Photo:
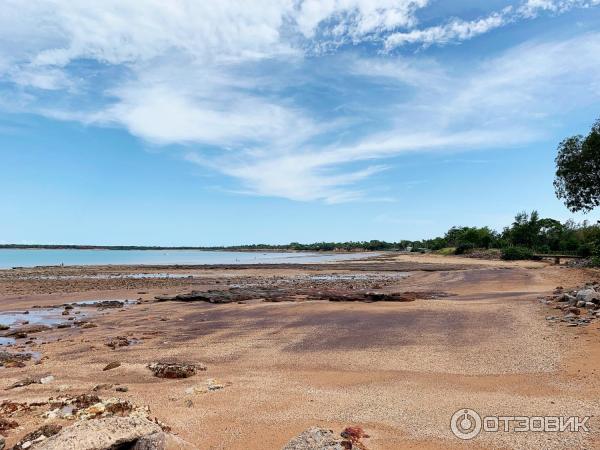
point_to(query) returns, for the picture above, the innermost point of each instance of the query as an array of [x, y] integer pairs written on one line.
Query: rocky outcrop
[[135, 433], [293, 293], [26, 329], [316, 439], [322, 439], [37, 436], [13, 359], [174, 369]]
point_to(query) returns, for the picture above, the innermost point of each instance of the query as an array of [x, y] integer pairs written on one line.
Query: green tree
[[577, 180]]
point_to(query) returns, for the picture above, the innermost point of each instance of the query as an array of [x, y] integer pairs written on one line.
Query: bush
[[585, 250], [517, 253], [544, 249], [463, 248], [447, 251]]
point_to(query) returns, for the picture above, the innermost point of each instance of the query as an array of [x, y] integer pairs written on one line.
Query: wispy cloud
[[255, 92], [457, 30]]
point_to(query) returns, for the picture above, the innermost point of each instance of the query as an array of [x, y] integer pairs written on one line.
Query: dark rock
[[175, 370], [27, 329], [112, 365], [41, 433], [118, 341], [7, 424]]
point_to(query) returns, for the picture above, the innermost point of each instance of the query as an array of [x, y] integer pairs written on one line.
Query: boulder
[[135, 433], [37, 436], [316, 439], [174, 370], [112, 365], [588, 295], [2, 443], [581, 303]]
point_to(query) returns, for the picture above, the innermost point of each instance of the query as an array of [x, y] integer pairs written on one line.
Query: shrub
[[595, 261], [517, 253], [585, 250], [463, 248]]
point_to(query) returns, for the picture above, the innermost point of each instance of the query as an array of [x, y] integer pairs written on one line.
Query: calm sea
[[30, 258]]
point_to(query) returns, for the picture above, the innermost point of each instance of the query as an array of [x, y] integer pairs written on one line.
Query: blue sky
[[229, 122]]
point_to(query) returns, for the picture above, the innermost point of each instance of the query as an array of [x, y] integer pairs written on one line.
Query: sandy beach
[[294, 346]]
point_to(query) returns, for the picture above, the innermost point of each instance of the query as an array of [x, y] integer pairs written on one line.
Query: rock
[[175, 370], [574, 310], [122, 389], [37, 436], [46, 380], [89, 325], [4, 327], [210, 385], [588, 295], [112, 365], [581, 303], [590, 305], [135, 433], [354, 434], [7, 424], [2, 443], [119, 341], [316, 439], [31, 380], [102, 387], [13, 359], [27, 329]]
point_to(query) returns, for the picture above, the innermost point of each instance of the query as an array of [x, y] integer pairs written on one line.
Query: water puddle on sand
[[36, 316], [5, 342]]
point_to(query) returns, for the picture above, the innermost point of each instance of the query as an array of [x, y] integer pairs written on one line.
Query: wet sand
[[398, 369]]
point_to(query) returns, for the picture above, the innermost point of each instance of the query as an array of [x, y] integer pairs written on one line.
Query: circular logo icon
[[465, 424]]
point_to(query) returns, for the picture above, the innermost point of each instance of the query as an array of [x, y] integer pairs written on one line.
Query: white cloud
[[238, 84], [457, 30]]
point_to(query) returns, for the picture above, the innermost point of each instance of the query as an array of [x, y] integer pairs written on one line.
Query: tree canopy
[[577, 180]]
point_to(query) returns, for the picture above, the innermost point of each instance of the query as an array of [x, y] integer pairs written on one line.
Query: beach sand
[[397, 369]]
